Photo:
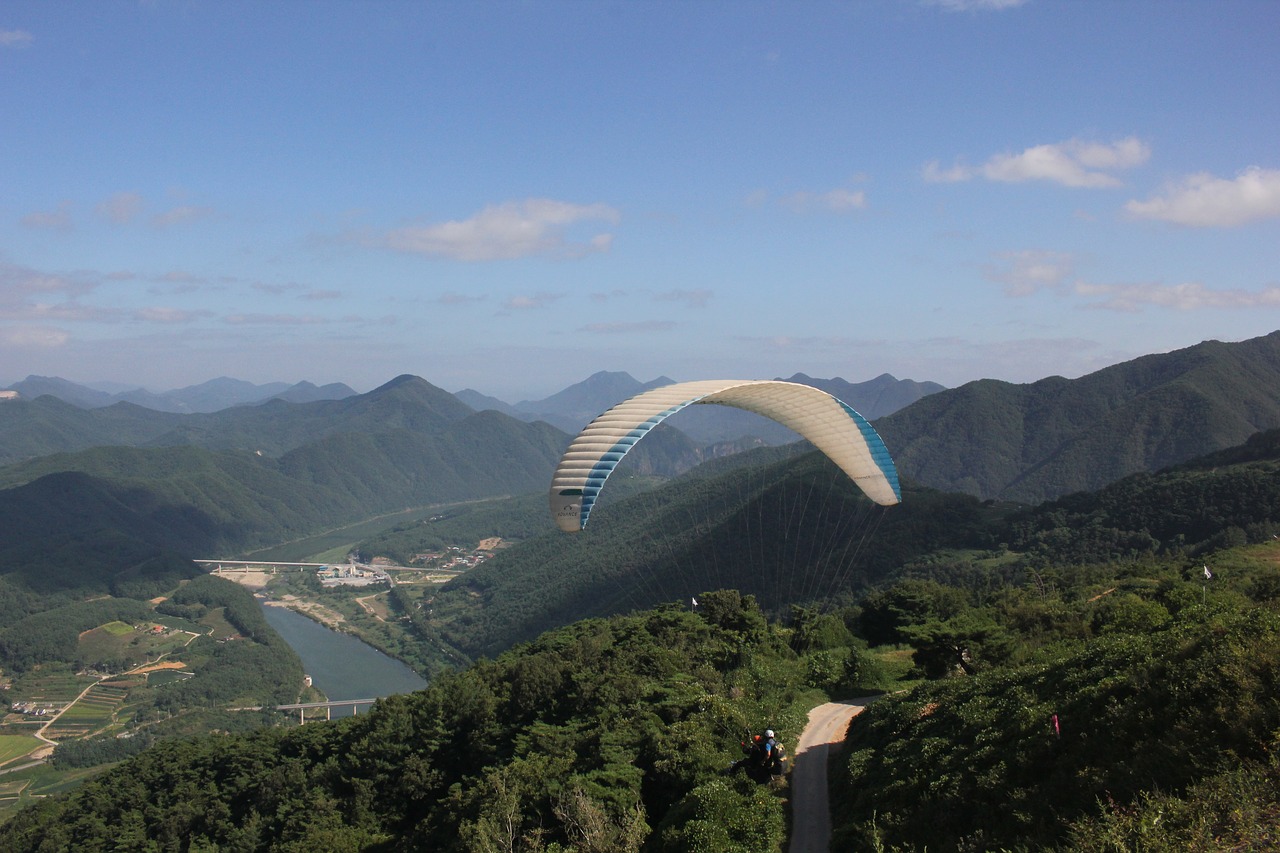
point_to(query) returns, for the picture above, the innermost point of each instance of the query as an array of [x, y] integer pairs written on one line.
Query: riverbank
[[340, 664]]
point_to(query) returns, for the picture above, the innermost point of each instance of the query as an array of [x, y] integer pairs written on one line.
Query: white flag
[[695, 601], [1207, 574]]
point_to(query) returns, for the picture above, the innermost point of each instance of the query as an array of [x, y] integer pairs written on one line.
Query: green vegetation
[[1038, 441], [741, 529], [600, 736], [1064, 676], [15, 746], [1069, 744], [101, 720]]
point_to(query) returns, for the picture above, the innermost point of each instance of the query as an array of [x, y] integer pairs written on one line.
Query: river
[[339, 664]]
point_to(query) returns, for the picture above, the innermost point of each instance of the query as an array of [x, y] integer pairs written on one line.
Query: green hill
[[788, 531], [617, 734], [614, 733], [31, 428], [1038, 441], [47, 425], [599, 736], [199, 503], [792, 531], [1028, 757]]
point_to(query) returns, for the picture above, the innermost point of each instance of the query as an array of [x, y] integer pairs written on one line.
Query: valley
[[118, 621]]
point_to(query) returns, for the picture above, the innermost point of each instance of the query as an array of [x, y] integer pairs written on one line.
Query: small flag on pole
[[694, 600], [1207, 574]]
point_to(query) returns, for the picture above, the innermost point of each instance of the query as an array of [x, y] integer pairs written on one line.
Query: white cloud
[[181, 215], [169, 315], [1030, 270], [322, 295], [514, 229], [458, 299], [531, 303], [839, 200], [933, 173], [273, 320], [21, 287], [32, 337], [15, 38], [638, 326], [119, 208], [605, 296], [50, 220], [975, 5], [1203, 201], [1073, 163], [689, 298], [1189, 296]]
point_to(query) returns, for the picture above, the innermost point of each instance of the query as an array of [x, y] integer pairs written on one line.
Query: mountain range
[[248, 475], [575, 406], [208, 396], [569, 410], [1037, 441]]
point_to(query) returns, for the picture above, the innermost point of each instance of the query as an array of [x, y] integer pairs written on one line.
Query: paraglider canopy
[[829, 424]]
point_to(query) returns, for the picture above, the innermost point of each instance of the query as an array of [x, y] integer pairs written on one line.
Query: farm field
[[20, 788], [94, 711], [117, 645], [50, 689], [16, 746]]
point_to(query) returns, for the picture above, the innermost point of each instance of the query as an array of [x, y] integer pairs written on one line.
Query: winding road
[[810, 810]]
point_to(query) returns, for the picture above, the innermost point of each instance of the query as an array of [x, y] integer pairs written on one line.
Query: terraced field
[[92, 712]]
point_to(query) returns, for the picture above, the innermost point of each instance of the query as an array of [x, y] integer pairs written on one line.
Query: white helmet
[[768, 732]]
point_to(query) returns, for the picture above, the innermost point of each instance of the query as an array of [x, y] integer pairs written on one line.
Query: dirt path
[[810, 811]]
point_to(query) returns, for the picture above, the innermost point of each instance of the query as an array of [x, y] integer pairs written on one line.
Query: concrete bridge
[[303, 707], [229, 566]]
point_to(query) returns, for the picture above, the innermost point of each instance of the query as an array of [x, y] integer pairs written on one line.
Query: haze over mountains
[[575, 406], [1037, 441], [989, 439], [208, 396], [569, 409], [113, 519]]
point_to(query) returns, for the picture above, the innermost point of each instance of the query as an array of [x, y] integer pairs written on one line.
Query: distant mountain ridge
[[1048, 438], [211, 396], [33, 428], [576, 406]]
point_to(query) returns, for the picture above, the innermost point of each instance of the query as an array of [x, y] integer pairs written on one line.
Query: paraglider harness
[[764, 757]]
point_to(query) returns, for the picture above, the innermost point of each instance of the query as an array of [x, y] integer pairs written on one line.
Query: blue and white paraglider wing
[[831, 426]]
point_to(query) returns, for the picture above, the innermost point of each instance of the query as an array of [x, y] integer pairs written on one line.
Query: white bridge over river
[[302, 707], [272, 566]]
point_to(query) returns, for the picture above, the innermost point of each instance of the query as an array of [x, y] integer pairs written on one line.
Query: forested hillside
[[200, 503], [1073, 652], [1121, 706], [604, 735], [31, 428], [794, 531], [1042, 440], [1156, 736]]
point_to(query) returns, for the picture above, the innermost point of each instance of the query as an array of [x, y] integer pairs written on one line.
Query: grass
[[216, 620], [339, 540], [40, 781], [16, 746]]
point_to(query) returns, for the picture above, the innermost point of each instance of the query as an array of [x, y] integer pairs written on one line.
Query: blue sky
[[512, 196]]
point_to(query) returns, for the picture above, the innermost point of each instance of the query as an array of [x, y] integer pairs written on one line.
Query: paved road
[[810, 811]]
